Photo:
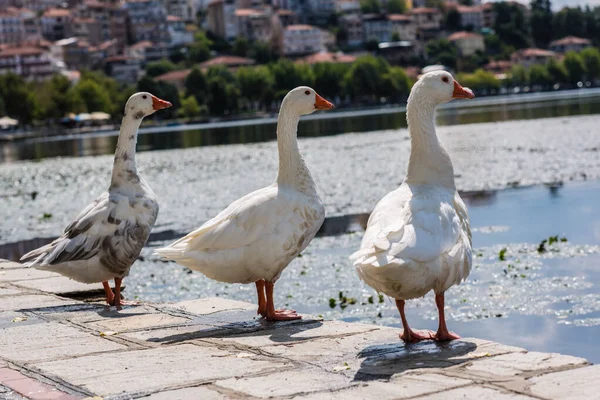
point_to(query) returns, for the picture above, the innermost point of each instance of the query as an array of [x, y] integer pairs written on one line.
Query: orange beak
[[322, 104], [159, 104], [462, 92]]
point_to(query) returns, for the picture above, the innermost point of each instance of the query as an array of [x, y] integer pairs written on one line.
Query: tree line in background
[[220, 92], [217, 92]]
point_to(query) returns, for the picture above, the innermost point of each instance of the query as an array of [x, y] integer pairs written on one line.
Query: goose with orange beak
[[418, 237], [256, 237], [107, 236]]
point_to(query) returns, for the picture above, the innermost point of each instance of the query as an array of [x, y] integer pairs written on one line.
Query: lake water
[[544, 299], [486, 109]]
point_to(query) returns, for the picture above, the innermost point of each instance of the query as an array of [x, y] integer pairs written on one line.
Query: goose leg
[[110, 296], [262, 302], [443, 334], [410, 336], [277, 315], [117, 303]]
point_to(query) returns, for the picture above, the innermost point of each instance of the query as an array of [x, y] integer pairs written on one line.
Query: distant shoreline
[[484, 101]]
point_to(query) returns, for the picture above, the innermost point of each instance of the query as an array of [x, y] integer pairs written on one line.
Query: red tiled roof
[[228, 61], [399, 17], [498, 65], [424, 10], [173, 18], [174, 76], [246, 12], [57, 12], [20, 51], [142, 45], [327, 57], [570, 40], [300, 27], [533, 52], [463, 35], [467, 9]]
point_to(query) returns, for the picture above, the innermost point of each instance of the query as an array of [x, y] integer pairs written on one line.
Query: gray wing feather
[[116, 242]]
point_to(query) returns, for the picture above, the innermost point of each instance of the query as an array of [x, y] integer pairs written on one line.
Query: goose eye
[[307, 92], [445, 79], [144, 97]]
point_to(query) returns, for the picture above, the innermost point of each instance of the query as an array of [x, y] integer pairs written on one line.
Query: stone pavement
[[57, 344]]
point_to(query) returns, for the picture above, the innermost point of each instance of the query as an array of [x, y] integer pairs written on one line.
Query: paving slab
[[518, 363], [6, 290], [21, 274], [155, 369], [59, 285], [211, 305], [299, 333], [286, 383], [50, 341], [200, 393], [475, 392], [33, 301], [574, 384], [401, 388], [5, 264], [31, 388], [121, 322], [12, 319]]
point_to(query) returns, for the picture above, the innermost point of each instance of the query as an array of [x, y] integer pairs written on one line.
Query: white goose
[[106, 237], [418, 238], [257, 236]]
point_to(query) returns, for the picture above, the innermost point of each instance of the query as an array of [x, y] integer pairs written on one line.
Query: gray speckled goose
[[107, 236]]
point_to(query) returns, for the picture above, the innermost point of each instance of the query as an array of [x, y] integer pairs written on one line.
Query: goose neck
[[429, 162], [124, 164], [292, 168]]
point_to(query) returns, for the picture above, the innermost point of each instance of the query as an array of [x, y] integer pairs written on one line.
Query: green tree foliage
[[574, 66], [288, 75], [370, 6], [329, 79], [19, 102], [453, 20], [443, 52], [364, 79], [557, 71], [479, 80], [541, 22], [93, 96], [518, 75], [510, 25], [189, 108], [568, 21], [160, 67], [199, 51], [539, 75], [256, 84], [395, 36], [55, 99], [396, 6], [241, 47], [496, 49], [223, 93], [395, 84], [591, 61], [262, 53], [196, 85]]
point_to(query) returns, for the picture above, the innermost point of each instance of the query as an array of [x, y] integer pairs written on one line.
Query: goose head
[[305, 100], [440, 87], [142, 104]]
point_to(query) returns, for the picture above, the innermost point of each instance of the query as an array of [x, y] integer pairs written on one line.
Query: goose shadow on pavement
[[382, 361]]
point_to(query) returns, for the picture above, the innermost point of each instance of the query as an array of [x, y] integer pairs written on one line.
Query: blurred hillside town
[[221, 57]]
